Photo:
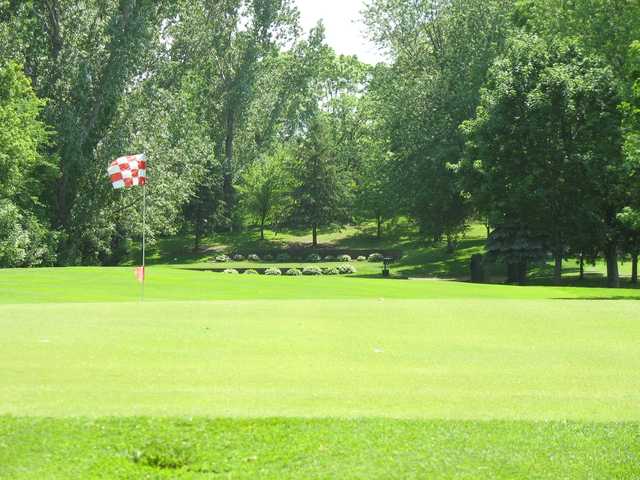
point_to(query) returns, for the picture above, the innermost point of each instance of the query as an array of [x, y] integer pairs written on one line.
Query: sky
[[344, 28]]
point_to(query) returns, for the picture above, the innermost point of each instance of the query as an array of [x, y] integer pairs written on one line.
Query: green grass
[[437, 359], [220, 376], [153, 448], [171, 283]]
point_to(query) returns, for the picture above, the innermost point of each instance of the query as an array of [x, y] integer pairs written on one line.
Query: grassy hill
[[420, 257]]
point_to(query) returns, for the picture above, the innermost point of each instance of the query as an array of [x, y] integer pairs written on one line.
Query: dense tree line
[[522, 114]]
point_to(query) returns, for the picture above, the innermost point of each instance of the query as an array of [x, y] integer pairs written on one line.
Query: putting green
[[445, 359]]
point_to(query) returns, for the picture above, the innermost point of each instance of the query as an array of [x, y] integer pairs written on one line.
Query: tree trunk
[[512, 273], [379, 219], [262, 229], [557, 269], [523, 268], [197, 235], [581, 266], [613, 275], [227, 185], [634, 268], [450, 244], [315, 234]]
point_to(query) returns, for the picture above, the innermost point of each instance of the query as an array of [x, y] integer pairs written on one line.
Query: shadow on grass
[[607, 298]]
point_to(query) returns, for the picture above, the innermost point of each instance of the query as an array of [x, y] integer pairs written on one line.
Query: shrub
[[329, 258], [344, 258], [312, 271], [24, 241], [250, 271], [293, 272], [314, 257], [254, 258], [273, 271], [268, 258], [361, 258], [376, 257], [231, 271], [283, 257], [222, 258], [238, 258], [346, 269], [330, 271]]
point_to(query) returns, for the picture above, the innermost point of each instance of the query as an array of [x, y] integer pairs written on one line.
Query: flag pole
[[144, 221]]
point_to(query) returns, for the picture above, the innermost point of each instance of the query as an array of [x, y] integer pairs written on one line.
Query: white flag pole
[[144, 221]]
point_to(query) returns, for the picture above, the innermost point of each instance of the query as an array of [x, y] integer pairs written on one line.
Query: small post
[[385, 269]]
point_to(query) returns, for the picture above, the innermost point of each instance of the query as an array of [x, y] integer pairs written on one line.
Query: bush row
[[344, 269], [285, 257]]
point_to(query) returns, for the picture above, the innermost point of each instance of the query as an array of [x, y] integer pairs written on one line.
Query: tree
[[83, 58], [318, 190], [264, 189], [544, 148], [630, 215], [25, 238], [441, 52], [222, 47]]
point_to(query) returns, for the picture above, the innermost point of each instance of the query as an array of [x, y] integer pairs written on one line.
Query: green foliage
[[24, 241], [375, 257], [544, 149], [330, 271], [314, 257], [346, 269], [312, 271], [441, 52], [318, 193], [25, 237], [264, 190]]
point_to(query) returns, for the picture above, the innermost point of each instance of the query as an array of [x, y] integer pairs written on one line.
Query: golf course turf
[[220, 376]]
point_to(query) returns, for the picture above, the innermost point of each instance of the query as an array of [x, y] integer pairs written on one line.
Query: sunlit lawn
[[234, 376]]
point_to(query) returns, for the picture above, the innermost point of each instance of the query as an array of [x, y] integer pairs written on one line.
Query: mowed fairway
[[224, 377]]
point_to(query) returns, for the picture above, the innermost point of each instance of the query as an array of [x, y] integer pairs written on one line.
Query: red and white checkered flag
[[128, 171]]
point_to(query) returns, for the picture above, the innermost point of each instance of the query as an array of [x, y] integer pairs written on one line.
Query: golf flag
[[128, 171], [139, 273]]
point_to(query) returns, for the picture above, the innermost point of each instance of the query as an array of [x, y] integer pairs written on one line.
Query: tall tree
[[223, 45], [441, 52], [318, 190], [25, 238], [544, 148], [91, 55], [264, 189]]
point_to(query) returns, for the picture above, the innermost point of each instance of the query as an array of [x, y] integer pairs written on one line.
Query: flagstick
[[144, 214]]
